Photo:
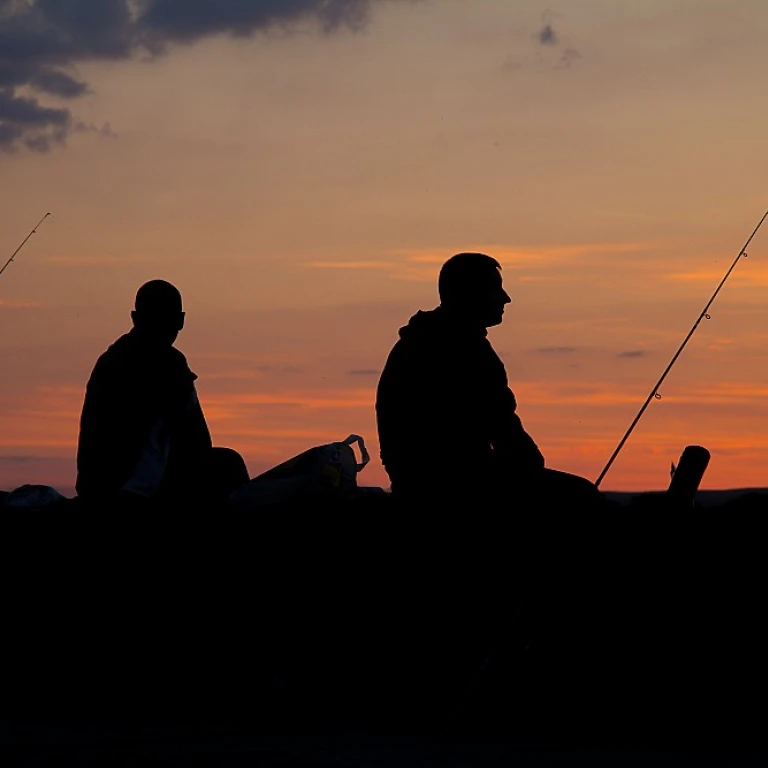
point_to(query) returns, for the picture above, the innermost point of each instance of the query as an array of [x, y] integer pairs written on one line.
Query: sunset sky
[[300, 169]]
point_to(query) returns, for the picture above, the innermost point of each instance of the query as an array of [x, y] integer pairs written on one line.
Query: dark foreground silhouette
[[375, 618], [643, 629], [143, 435], [447, 419]]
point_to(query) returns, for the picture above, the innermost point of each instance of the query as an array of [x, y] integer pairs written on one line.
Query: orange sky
[[302, 189]]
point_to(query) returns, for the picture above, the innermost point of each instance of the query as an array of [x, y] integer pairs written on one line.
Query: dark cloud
[[58, 83], [42, 41], [557, 53], [633, 353], [555, 350], [364, 372], [25, 122], [547, 35], [105, 130], [187, 20]]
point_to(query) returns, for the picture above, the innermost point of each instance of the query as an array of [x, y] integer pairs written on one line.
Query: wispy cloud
[[564, 394], [552, 253], [419, 265], [105, 130], [364, 372], [747, 274], [257, 372], [102, 260], [23, 459], [555, 350], [11, 304], [633, 353], [347, 398], [400, 267], [567, 58], [351, 264]]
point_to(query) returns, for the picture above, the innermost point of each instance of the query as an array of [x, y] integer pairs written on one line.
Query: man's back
[[446, 416], [139, 400]]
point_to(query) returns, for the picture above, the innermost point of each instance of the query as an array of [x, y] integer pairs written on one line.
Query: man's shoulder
[[178, 357], [412, 351], [126, 355], [115, 355]]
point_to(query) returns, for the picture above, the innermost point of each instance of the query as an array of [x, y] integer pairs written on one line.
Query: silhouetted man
[[447, 421], [142, 430]]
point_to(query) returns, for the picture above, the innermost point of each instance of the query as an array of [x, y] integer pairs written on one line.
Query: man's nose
[[507, 298]]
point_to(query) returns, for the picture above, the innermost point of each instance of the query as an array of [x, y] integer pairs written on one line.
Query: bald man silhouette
[[142, 429]]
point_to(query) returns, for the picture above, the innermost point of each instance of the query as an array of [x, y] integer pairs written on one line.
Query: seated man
[[142, 430], [447, 421]]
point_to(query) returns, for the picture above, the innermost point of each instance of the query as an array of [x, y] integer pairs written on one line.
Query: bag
[[320, 472], [33, 497]]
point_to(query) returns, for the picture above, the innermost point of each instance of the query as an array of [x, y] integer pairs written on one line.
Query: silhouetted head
[[158, 315], [470, 286]]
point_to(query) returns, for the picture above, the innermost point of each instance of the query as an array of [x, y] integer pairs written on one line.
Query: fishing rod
[[32, 232], [655, 391]]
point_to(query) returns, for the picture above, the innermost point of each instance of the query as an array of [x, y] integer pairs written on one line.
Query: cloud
[[105, 130], [20, 459], [569, 55], [422, 265], [547, 35], [9, 304], [633, 353], [181, 20], [364, 372], [350, 264], [58, 83], [555, 350], [550, 51], [24, 121], [510, 255], [42, 42]]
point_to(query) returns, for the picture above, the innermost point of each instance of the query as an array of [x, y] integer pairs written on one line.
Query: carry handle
[[363, 450]]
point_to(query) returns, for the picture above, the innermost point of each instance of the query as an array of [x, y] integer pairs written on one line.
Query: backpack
[[325, 471]]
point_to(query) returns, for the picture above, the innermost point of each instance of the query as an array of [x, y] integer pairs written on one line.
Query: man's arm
[[515, 450], [197, 432], [513, 446]]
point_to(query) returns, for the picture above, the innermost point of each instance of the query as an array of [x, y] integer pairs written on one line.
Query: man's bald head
[[158, 297], [158, 315]]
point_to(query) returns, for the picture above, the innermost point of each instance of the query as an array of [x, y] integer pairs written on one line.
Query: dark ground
[[193, 744], [359, 635]]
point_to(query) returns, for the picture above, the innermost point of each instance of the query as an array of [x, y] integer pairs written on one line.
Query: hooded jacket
[[142, 428], [445, 413]]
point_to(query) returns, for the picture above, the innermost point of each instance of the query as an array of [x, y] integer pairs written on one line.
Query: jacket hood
[[438, 322]]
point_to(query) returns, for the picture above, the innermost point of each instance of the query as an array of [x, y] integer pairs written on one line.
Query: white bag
[[323, 471]]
